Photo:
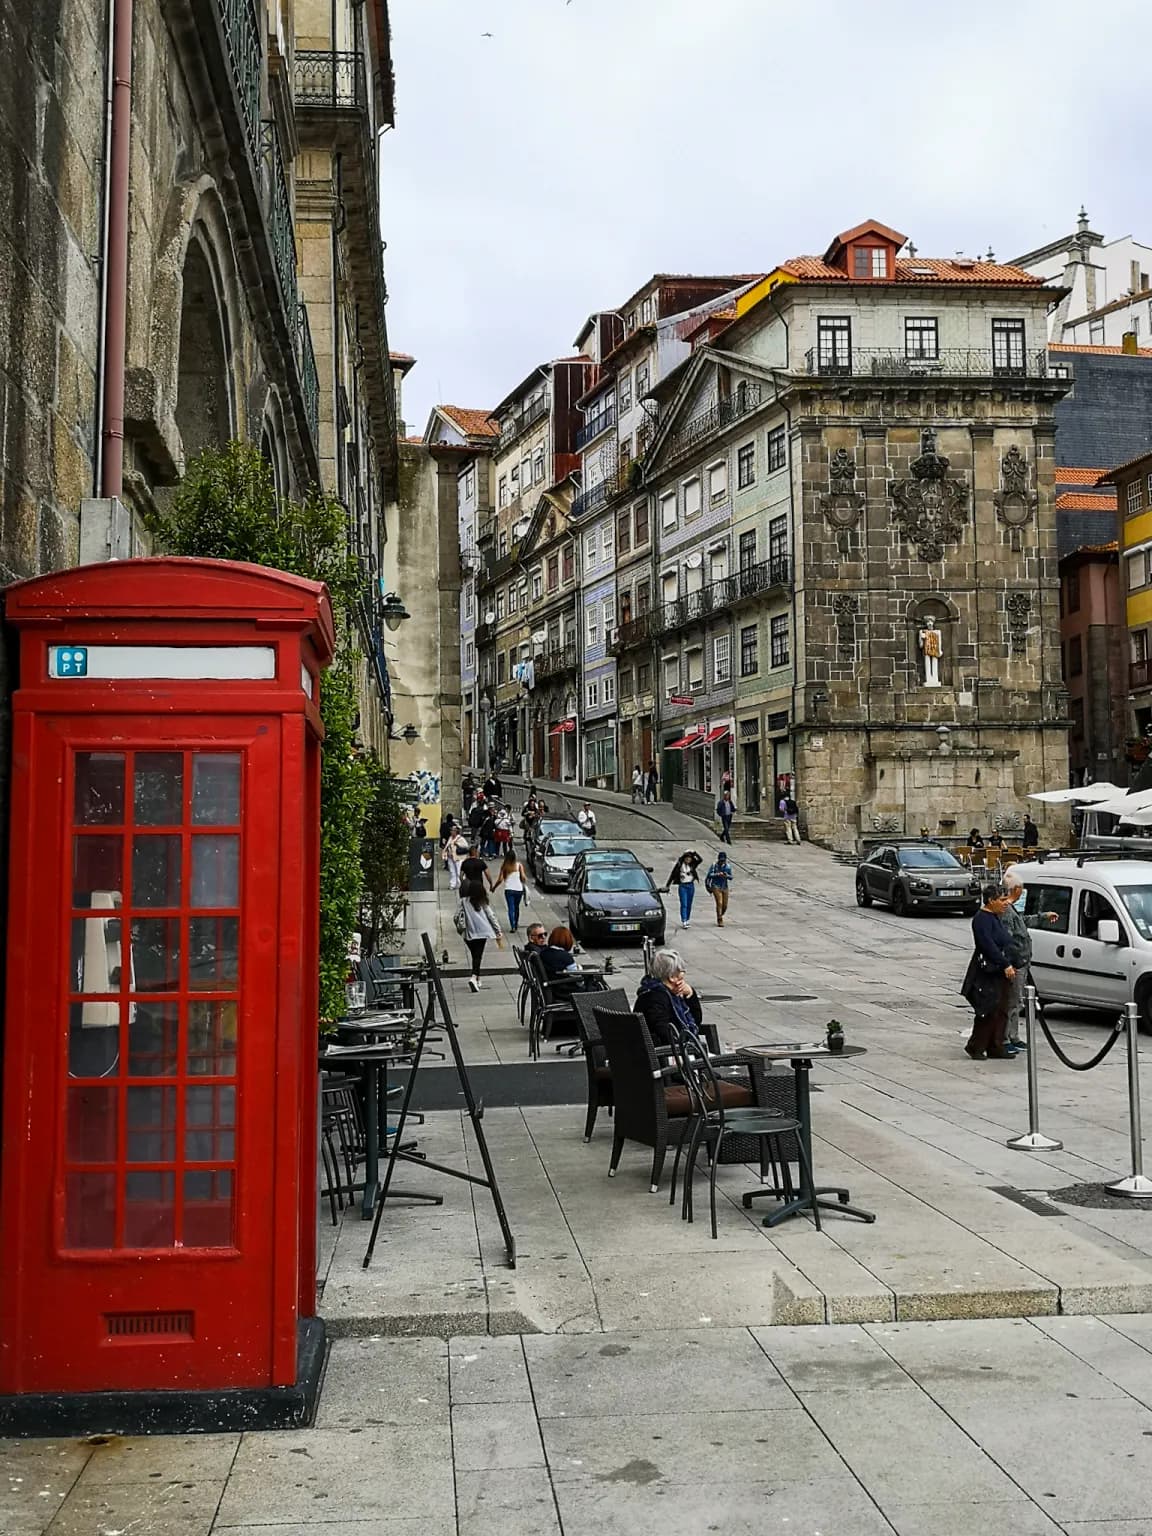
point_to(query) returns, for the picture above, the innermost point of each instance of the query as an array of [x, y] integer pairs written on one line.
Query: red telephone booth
[[158, 1193]]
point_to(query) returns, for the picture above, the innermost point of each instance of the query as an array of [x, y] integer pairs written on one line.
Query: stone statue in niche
[[1015, 503], [932, 647], [930, 507], [842, 504]]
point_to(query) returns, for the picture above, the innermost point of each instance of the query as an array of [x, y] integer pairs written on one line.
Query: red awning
[[717, 733], [563, 728], [693, 739]]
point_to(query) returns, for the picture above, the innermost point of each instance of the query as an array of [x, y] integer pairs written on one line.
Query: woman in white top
[[455, 852], [480, 925], [512, 878]]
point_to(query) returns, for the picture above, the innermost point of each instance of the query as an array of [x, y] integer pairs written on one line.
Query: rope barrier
[[1118, 1029]]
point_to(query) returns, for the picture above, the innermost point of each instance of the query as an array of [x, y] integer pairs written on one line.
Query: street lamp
[[393, 611], [410, 734]]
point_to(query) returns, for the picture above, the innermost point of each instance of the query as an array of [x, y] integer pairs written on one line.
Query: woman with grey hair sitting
[[669, 1005]]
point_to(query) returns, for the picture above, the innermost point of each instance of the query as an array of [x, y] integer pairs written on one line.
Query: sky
[[547, 170]]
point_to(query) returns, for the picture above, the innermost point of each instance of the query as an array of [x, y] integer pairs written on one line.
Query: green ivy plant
[[384, 855], [227, 508]]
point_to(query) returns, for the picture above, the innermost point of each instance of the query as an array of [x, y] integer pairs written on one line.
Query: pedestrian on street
[[670, 1007], [717, 882], [684, 877], [503, 833], [493, 789], [653, 784], [476, 814], [512, 878], [476, 924], [637, 785], [790, 812], [473, 869], [987, 983], [586, 820], [725, 810], [1031, 838], [456, 851], [468, 792], [726, 784], [488, 832]]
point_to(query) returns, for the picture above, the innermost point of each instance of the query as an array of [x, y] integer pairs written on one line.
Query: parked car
[[916, 877], [608, 856], [549, 826], [1091, 922], [552, 860], [609, 899]]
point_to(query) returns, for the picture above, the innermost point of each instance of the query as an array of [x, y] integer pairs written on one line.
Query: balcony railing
[[631, 633], [954, 362], [597, 424], [593, 500], [321, 77], [520, 421], [280, 222], [719, 596], [495, 566], [707, 423], [486, 633], [553, 662], [1139, 674], [309, 377], [242, 38]]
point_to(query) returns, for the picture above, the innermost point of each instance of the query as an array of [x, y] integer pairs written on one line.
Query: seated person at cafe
[[557, 958], [669, 1005]]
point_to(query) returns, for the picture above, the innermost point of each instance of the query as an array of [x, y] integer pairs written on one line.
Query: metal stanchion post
[[1135, 1186], [1033, 1141]]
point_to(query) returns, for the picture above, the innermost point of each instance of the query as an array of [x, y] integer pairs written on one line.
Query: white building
[[1109, 286]]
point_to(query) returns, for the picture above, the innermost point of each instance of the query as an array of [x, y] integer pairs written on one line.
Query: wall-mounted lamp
[[410, 734], [393, 611]]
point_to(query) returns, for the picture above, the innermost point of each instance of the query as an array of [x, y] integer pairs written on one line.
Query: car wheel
[[899, 902], [863, 899]]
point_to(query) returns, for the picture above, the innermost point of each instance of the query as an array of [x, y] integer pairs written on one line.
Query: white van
[[1091, 921]]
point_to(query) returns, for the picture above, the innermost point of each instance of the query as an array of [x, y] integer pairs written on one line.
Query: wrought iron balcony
[[951, 362], [633, 632], [280, 224], [595, 425], [495, 566], [553, 663], [325, 78], [591, 501], [309, 377], [486, 633], [241, 20], [1139, 674], [721, 596], [512, 426], [706, 424]]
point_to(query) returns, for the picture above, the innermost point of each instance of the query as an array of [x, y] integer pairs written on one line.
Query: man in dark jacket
[[988, 981]]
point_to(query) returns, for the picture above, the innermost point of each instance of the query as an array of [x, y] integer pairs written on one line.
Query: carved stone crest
[[1015, 503], [930, 508], [845, 606], [842, 504], [1019, 609], [887, 825]]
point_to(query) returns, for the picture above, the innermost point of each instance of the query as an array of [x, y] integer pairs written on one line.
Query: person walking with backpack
[[476, 924], [513, 879], [717, 882], [790, 811], [653, 784], [725, 811], [456, 850], [685, 876]]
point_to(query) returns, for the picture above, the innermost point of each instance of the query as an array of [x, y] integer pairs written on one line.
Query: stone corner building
[[917, 406]]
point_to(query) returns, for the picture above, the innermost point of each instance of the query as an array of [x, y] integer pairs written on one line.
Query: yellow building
[[1133, 482]]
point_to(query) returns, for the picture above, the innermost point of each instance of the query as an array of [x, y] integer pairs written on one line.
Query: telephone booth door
[[155, 1124]]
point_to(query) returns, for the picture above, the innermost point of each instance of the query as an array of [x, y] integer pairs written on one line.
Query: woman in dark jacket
[[669, 1005], [987, 983]]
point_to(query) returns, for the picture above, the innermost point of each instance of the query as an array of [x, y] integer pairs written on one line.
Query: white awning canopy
[[1083, 794], [1124, 805]]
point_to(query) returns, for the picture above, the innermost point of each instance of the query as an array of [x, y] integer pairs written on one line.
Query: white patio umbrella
[[1083, 794], [1124, 805]]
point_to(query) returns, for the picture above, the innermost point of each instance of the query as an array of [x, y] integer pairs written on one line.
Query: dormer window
[[870, 261]]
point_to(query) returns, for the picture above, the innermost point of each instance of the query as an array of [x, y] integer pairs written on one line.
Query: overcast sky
[[548, 170]]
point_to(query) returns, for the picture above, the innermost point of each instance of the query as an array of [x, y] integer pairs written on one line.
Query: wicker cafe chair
[[524, 996], [712, 1120], [547, 1006], [600, 1095], [648, 1102]]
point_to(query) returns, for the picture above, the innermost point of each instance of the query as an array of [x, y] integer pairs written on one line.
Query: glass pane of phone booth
[[153, 1000]]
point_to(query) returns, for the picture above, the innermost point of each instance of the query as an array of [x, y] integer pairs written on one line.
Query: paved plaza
[[990, 1370]]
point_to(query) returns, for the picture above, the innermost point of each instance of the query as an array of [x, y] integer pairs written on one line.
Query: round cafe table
[[801, 1058]]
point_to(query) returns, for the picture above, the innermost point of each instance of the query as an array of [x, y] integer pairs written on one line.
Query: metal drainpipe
[[795, 540], [102, 254], [115, 312]]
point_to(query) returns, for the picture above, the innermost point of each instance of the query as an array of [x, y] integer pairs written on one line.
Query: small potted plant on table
[[835, 1036]]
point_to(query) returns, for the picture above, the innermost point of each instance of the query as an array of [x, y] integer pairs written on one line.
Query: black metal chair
[[548, 1004], [524, 996], [712, 1121], [600, 1095]]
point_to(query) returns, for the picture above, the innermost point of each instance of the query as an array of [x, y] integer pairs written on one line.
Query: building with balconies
[[917, 402], [548, 555], [1133, 485]]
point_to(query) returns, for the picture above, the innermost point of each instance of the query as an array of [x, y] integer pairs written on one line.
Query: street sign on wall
[[680, 698]]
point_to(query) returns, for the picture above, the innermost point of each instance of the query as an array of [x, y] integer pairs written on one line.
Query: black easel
[[475, 1113]]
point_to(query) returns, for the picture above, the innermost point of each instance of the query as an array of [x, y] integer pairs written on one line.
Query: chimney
[[1128, 343]]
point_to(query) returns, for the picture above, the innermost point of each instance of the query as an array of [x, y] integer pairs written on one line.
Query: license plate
[[951, 891], [624, 927]]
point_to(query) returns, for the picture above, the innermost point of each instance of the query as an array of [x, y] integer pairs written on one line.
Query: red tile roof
[[1080, 501], [1069, 346], [1108, 476], [1067, 476], [471, 423], [916, 269]]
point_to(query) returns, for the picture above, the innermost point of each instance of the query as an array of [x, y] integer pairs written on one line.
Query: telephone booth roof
[[171, 588]]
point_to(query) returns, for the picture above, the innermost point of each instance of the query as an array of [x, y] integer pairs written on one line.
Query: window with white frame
[[608, 690], [502, 490], [717, 481], [722, 658], [1135, 495], [1139, 569], [500, 603], [513, 598], [646, 312], [780, 640], [668, 510], [746, 466], [525, 472], [640, 523], [590, 549], [749, 650], [514, 481], [693, 573], [776, 448], [669, 587], [593, 622], [778, 537], [592, 694], [470, 655], [469, 599], [538, 466], [717, 562], [537, 583], [624, 386], [607, 614], [470, 483], [694, 660], [692, 495], [671, 674], [607, 543], [502, 545]]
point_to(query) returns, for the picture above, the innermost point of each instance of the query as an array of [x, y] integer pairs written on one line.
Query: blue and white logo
[[68, 661]]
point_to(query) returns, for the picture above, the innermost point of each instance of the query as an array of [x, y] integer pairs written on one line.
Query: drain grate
[[791, 997], [1029, 1202]]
